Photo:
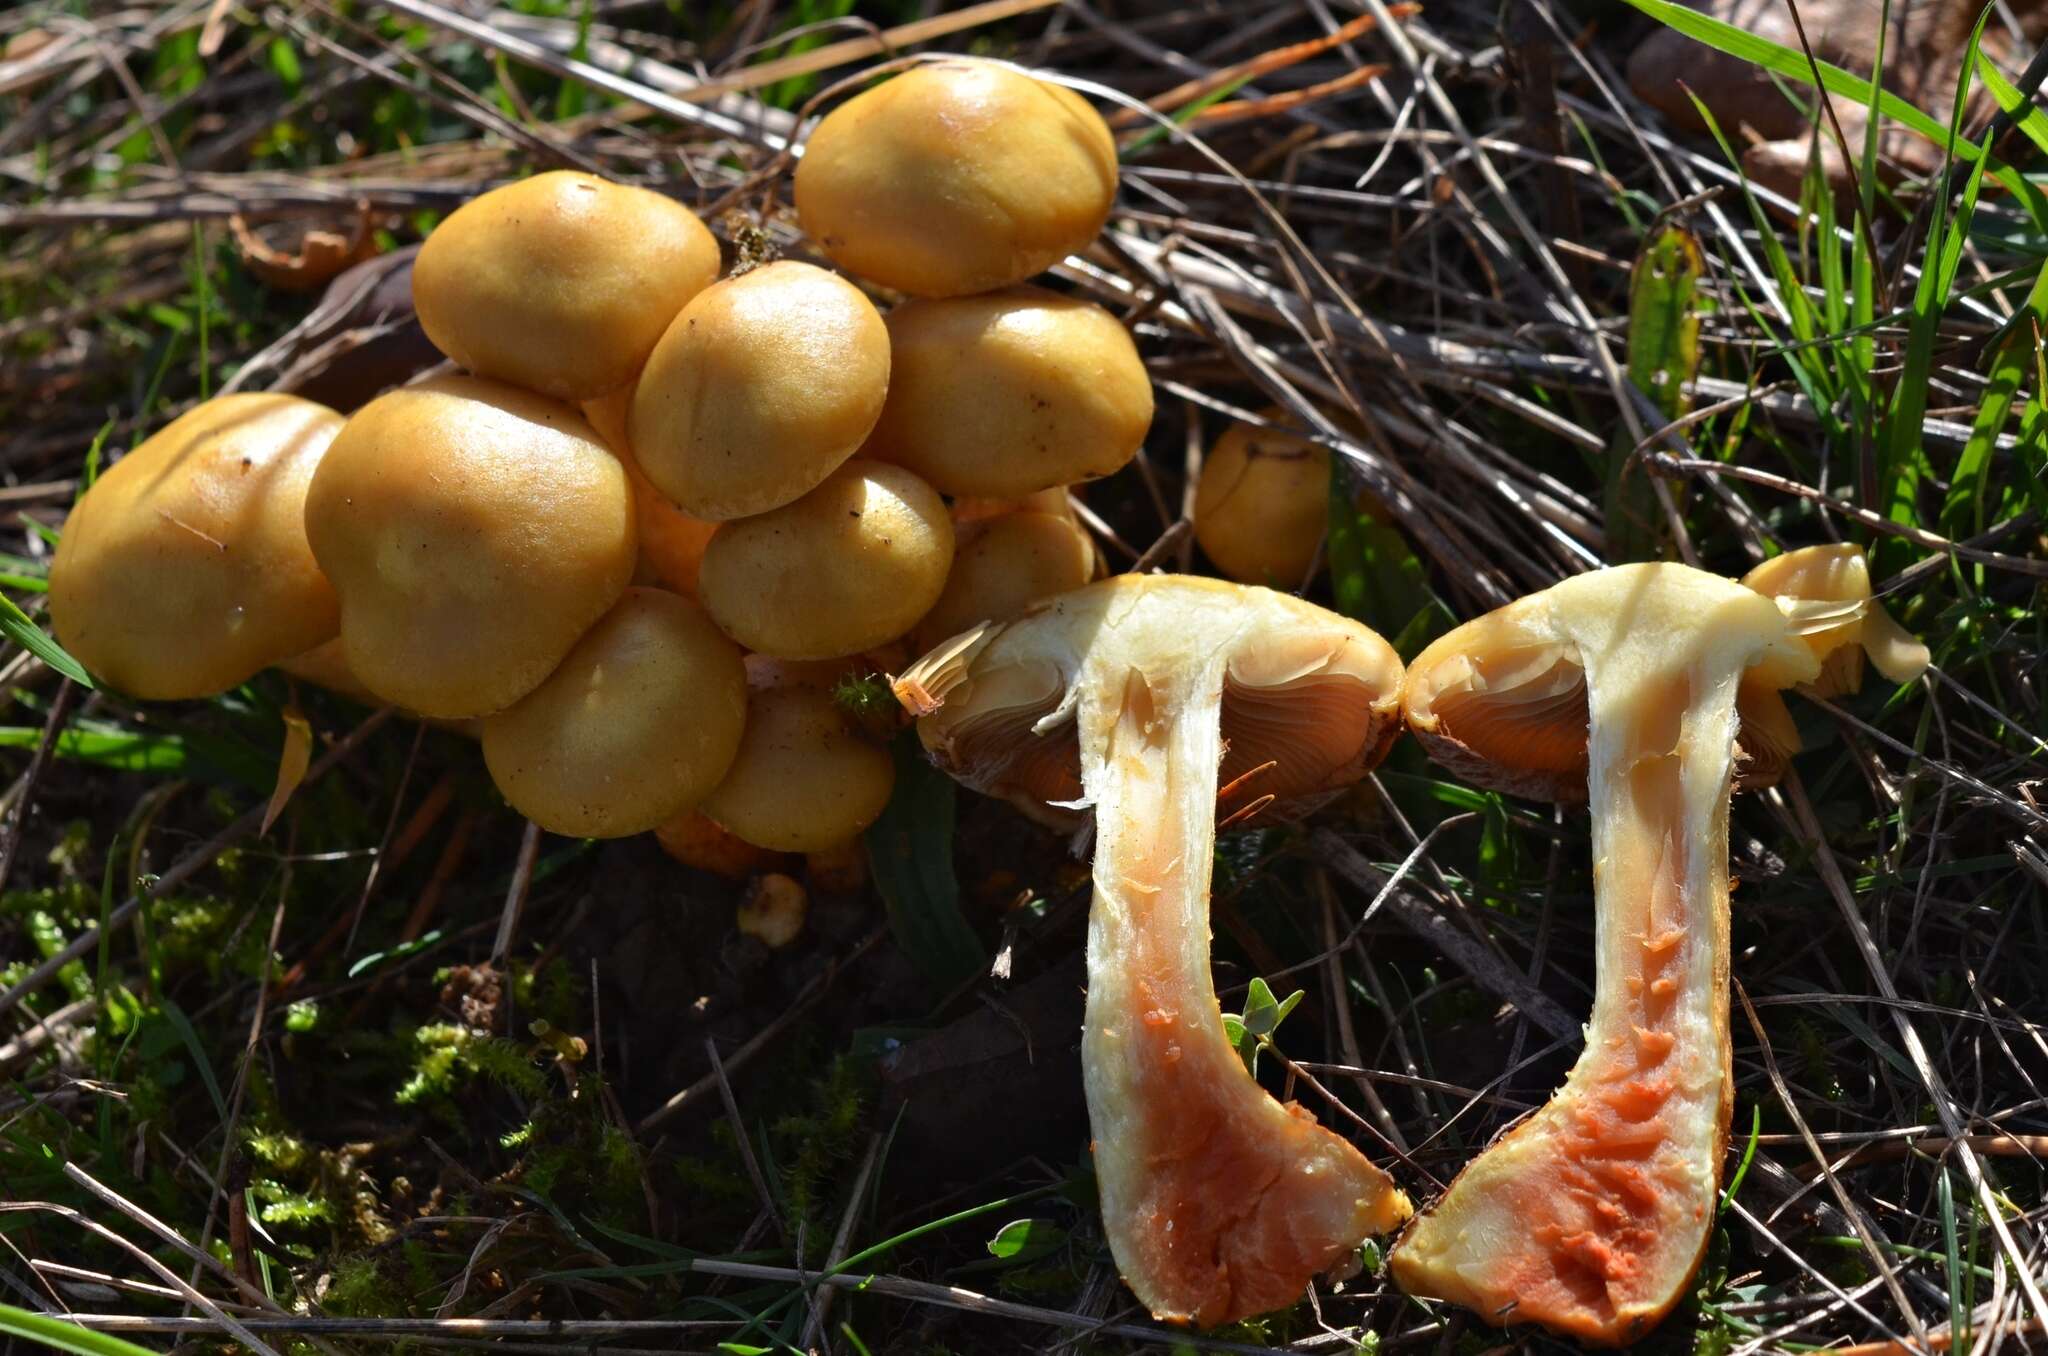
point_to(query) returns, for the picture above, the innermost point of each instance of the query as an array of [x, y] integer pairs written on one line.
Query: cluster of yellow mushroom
[[649, 515]]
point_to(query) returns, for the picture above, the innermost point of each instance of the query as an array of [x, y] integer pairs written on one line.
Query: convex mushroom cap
[[1135, 696], [473, 531], [671, 541], [850, 566], [638, 724], [185, 568], [1005, 563], [1621, 685], [560, 283], [957, 176], [1003, 395], [760, 389], [804, 779], [1262, 504]]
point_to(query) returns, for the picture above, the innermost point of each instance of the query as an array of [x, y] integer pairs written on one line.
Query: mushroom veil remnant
[[1139, 696], [1622, 685]]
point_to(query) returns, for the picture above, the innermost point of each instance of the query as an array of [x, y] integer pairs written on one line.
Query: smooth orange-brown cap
[[804, 780], [1012, 561], [185, 568], [761, 388], [954, 177], [474, 532], [561, 283], [1006, 394], [850, 566], [1262, 505], [637, 725], [671, 541]]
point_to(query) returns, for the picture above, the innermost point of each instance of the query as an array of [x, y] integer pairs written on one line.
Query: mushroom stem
[[1219, 1201]]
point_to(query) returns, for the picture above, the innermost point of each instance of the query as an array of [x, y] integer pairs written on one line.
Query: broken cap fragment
[[1824, 592], [1590, 1217], [1140, 695]]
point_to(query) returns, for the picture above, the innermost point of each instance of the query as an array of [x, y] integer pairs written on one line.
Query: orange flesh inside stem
[[1219, 1202], [1590, 1218]]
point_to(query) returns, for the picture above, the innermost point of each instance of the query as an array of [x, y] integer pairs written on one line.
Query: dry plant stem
[[183, 869], [60, 712]]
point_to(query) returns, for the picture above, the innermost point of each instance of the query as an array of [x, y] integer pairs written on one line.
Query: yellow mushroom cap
[[955, 177], [637, 725], [803, 781], [763, 386], [1262, 505], [474, 532], [1004, 395], [561, 283], [1011, 562], [850, 566], [185, 568], [671, 541]]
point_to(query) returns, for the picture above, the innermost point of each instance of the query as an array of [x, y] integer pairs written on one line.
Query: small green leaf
[[399, 952], [40, 1331], [1022, 1240]]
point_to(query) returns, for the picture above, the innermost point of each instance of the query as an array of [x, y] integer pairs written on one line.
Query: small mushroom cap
[[761, 388], [694, 839], [1315, 694], [1502, 699], [958, 176], [671, 541], [774, 910], [1262, 505], [1012, 561], [560, 283], [803, 780], [185, 568], [1001, 396], [850, 566], [474, 532], [638, 724]]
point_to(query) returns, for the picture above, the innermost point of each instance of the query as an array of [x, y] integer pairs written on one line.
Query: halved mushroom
[[1139, 693], [1591, 1217], [185, 568]]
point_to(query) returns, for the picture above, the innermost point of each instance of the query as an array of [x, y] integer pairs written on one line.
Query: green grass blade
[[18, 627], [911, 849], [1785, 61], [55, 1333], [1905, 461], [1663, 358], [1963, 513]]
